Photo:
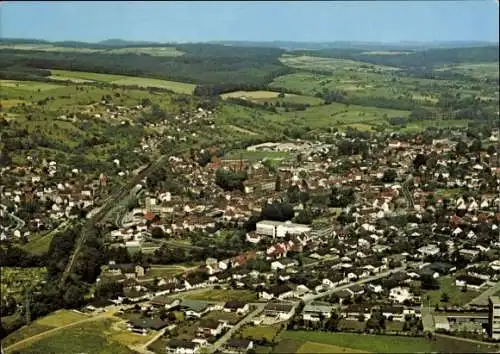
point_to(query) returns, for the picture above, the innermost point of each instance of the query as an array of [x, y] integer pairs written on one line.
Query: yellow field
[[256, 95], [61, 318], [312, 347], [10, 103], [28, 85]]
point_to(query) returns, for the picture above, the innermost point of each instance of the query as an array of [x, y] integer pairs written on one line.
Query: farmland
[[370, 343], [272, 97], [121, 80], [330, 64], [222, 295], [341, 115]]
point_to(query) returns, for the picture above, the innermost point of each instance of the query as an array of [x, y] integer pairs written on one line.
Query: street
[[222, 340], [309, 298]]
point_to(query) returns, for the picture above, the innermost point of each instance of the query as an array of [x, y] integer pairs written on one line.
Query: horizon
[[301, 22]]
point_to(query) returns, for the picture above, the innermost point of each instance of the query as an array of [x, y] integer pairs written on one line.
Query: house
[[280, 229], [357, 289], [284, 263], [143, 325], [317, 310], [282, 311], [237, 346], [400, 294], [354, 312], [195, 308], [395, 313], [441, 322], [210, 327], [165, 302], [470, 281], [429, 250], [240, 307], [181, 346], [281, 291]]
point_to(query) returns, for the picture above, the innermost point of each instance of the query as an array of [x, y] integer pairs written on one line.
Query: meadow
[[122, 80], [222, 295], [255, 155], [366, 343], [330, 64], [456, 296]]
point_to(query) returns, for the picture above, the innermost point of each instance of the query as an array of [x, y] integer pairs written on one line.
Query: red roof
[[149, 216]]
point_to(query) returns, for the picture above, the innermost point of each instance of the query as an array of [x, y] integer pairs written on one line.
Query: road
[[409, 200], [20, 222], [222, 340], [309, 298]]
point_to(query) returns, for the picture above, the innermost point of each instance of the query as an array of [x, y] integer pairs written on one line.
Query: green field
[[312, 347], [122, 80], [476, 70], [339, 114], [61, 318], [85, 338], [364, 342], [26, 86], [330, 64], [456, 296], [38, 244], [261, 332], [222, 295]]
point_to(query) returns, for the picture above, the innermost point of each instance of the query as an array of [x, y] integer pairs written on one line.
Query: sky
[[311, 21]]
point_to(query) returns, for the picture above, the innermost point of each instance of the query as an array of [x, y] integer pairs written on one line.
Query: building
[[494, 317], [281, 311], [441, 322], [238, 346], [177, 346], [280, 229]]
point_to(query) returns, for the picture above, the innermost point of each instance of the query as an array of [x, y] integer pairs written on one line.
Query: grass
[[330, 64], [28, 85], [61, 318], [163, 272], [14, 281], [122, 80], [370, 343], [476, 70], [261, 332], [339, 114], [87, 338], [25, 332], [312, 347], [38, 244], [252, 95], [231, 317], [223, 295], [456, 296]]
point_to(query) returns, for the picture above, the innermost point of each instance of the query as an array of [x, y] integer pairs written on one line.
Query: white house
[[280, 229], [400, 294]]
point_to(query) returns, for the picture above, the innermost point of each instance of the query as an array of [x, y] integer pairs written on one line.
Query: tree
[[475, 146], [157, 232], [461, 148], [389, 176], [445, 297], [277, 185], [491, 150], [73, 297], [420, 160]]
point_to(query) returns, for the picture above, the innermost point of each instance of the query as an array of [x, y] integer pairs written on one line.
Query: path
[[143, 349], [482, 299], [309, 298], [241, 130], [42, 335], [222, 340]]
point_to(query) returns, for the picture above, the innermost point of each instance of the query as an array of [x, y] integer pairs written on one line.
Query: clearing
[[330, 64], [261, 332], [223, 295], [62, 318], [456, 296]]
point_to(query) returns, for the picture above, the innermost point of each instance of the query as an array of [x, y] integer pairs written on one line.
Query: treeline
[[202, 64]]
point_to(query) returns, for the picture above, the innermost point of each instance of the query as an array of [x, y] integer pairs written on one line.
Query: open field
[[312, 347], [223, 295], [122, 80], [330, 64], [61, 318], [456, 295], [385, 52], [154, 51], [251, 95], [28, 86], [163, 271], [339, 114], [90, 337], [261, 332], [38, 244], [476, 70], [364, 342]]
